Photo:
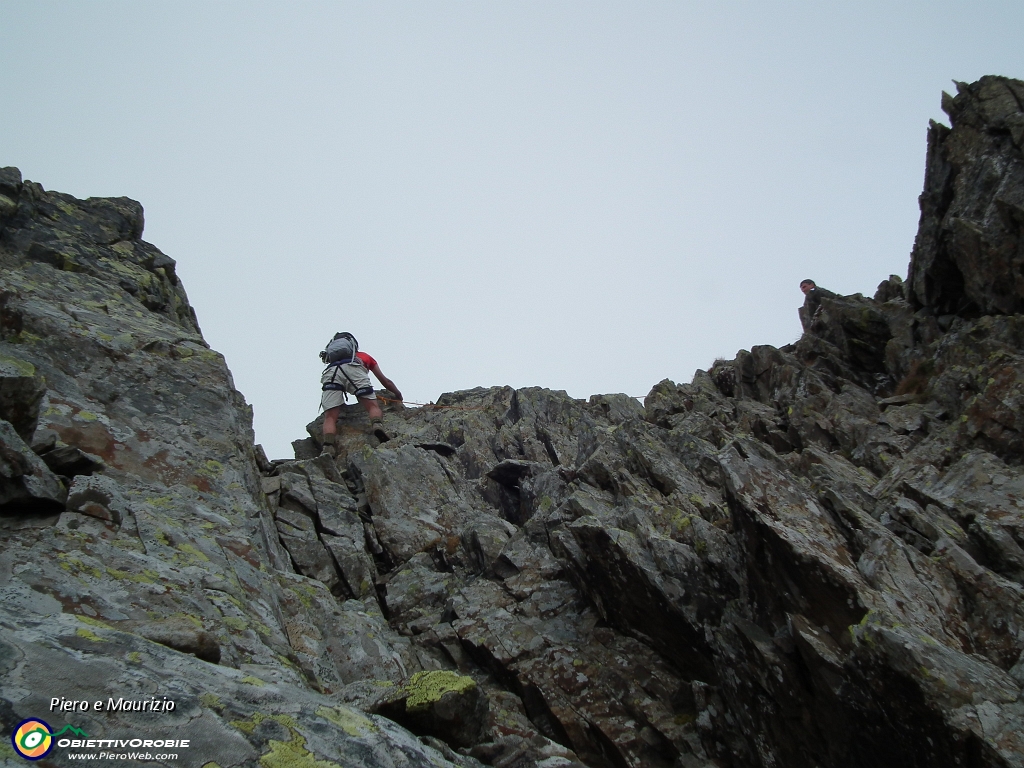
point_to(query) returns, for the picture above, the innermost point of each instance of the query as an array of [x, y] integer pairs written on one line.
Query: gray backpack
[[341, 349]]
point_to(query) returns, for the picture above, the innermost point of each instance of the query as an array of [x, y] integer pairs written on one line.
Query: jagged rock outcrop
[[807, 556], [969, 254], [139, 557]]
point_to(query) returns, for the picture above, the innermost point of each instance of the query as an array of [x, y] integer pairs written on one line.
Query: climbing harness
[[335, 386]]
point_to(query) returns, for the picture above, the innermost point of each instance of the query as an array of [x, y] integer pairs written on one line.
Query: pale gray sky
[[588, 196]]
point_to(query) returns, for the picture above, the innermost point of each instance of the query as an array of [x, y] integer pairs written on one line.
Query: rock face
[[807, 556], [139, 557], [969, 254]]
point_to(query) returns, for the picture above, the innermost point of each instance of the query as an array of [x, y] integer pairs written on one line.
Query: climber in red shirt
[[348, 372]]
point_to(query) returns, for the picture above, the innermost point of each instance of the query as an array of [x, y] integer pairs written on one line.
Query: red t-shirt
[[366, 360]]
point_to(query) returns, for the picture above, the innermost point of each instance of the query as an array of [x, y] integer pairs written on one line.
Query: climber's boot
[[329, 449], [378, 430]]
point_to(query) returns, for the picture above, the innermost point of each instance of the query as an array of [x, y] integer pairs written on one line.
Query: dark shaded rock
[[69, 461], [21, 392], [262, 462], [890, 290], [443, 449], [856, 328], [10, 189], [27, 486], [511, 471], [967, 258], [181, 634], [10, 182], [44, 440], [306, 448], [443, 704]]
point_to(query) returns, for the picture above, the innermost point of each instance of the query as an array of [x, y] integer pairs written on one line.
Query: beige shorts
[[352, 377]]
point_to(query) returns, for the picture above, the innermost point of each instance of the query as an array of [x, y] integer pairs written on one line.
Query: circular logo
[[32, 739]]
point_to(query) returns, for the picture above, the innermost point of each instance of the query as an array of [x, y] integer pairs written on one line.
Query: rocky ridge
[[807, 556]]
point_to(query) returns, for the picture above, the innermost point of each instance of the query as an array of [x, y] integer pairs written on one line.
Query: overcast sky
[[588, 196]]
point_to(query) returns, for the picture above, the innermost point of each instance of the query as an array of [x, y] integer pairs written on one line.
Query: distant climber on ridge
[[347, 373], [812, 303]]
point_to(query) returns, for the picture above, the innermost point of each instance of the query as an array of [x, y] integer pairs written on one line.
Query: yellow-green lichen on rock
[[293, 754], [23, 367], [249, 724], [93, 622], [425, 688], [350, 721], [76, 567], [284, 754], [235, 623], [192, 554]]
